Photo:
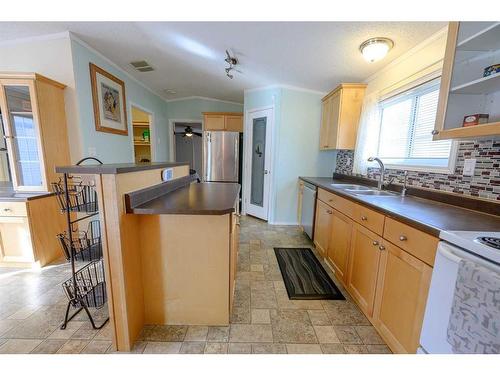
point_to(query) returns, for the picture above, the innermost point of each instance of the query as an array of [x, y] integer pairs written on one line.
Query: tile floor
[[264, 320]]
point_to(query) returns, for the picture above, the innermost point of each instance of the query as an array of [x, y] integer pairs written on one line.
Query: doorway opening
[[189, 144], [142, 123]]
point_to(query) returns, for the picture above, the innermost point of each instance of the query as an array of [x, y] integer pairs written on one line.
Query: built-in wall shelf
[[139, 124], [481, 86], [487, 39], [142, 144], [477, 131]]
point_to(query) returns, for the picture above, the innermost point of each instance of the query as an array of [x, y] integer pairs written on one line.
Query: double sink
[[364, 190]]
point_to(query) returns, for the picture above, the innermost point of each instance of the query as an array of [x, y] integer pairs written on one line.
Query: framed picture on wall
[[108, 96]]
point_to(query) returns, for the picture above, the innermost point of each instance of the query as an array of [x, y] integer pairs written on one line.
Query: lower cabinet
[[322, 227], [403, 284], [364, 267], [339, 244]]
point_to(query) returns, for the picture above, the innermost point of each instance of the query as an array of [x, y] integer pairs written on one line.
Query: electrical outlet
[[92, 151], [469, 166]]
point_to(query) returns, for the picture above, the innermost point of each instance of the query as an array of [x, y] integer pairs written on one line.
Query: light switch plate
[[469, 166], [167, 174]]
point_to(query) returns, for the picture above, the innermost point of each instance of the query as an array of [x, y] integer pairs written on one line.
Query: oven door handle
[[449, 255]]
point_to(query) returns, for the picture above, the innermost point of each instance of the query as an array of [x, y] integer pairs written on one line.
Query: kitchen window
[[405, 139]]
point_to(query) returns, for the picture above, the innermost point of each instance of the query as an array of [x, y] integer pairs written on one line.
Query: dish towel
[[474, 325]]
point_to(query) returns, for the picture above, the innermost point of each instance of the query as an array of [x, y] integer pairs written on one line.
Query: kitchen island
[[169, 248]]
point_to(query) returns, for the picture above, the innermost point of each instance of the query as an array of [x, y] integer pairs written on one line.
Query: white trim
[[202, 98], [283, 86], [153, 140], [408, 54], [246, 180], [76, 39], [285, 223], [171, 129], [36, 38]]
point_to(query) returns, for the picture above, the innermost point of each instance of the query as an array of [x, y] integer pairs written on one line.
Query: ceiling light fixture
[[375, 49], [232, 61]]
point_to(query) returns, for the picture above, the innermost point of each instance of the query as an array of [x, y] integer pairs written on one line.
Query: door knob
[[364, 218], [375, 243], [381, 247], [403, 238], [266, 171]]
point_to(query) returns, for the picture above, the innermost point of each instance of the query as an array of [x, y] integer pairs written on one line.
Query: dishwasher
[[308, 209]]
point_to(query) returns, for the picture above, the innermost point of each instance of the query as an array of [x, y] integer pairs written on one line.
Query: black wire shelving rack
[[87, 285]]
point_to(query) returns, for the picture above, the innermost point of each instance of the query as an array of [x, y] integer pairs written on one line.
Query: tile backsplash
[[485, 183]]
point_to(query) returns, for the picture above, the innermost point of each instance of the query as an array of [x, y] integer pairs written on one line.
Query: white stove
[[484, 244], [479, 247]]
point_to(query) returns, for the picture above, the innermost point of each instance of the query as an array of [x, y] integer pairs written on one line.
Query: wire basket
[[90, 286], [87, 246], [82, 196]]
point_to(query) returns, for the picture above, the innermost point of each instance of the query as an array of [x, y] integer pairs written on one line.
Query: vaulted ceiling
[[188, 57]]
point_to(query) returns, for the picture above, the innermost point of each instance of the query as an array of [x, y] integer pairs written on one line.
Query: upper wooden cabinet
[[340, 113], [34, 130], [465, 89], [228, 121]]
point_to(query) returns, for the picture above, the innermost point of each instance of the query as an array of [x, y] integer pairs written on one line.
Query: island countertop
[[209, 198], [115, 168]]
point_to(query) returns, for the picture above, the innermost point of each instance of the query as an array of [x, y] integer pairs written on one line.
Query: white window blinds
[[406, 124]]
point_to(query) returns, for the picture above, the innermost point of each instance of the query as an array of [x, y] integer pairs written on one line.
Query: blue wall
[[192, 109], [296, 145], [112, 148]]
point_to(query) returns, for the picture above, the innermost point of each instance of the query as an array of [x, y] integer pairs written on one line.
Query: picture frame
[[109, 101]]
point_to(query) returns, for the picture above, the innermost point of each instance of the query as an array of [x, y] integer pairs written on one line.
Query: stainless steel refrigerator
[[222, 156]]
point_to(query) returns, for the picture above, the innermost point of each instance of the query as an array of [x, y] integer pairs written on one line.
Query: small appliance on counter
[[492, 69]]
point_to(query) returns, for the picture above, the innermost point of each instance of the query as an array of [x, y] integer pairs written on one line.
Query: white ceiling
[[188, 57]]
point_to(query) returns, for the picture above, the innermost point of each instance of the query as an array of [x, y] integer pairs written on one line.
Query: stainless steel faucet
[[382, 171], [403, 192]]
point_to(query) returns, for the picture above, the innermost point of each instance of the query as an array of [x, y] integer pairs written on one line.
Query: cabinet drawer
[[419, 244], [13, 209], [342, 205], [369, 219]]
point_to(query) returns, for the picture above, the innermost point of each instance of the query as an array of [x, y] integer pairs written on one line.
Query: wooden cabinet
[[34, 122], [339, 244], [322, 227], [232, 122], [363, 267], [341, 110], [384, 264], [28, 232], [233, 258], [402, 288], [470, 48]]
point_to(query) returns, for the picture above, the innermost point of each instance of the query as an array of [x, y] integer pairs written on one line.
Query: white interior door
[[258, 156]]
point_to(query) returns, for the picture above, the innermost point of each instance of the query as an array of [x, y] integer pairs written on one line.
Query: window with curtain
[[406, 123]]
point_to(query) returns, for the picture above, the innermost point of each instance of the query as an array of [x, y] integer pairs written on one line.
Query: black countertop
[[427, 215], [115, 168], [194, 199]]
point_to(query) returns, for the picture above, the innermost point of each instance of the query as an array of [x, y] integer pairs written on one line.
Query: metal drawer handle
[[403, 237], [381, 247], [329, 212], [375, 243], [364, 218], [7, 209]]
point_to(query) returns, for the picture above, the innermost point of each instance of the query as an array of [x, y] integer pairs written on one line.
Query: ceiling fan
[[232, 61], [188, 132]]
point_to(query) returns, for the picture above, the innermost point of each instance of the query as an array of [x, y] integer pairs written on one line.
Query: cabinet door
[[325, 122], [322, 227], [233, 123], [339, 245], [403, 284], [214, 122], [334, 119], [363, 267], [23, 135], [15, 241]]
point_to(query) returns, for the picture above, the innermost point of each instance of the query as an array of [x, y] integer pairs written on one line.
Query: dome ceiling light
[[375, 49]]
